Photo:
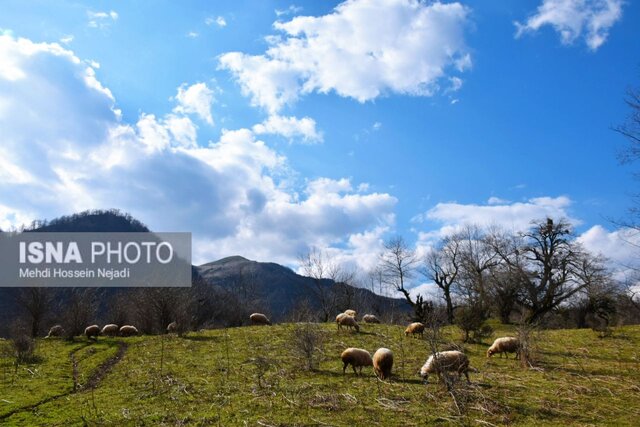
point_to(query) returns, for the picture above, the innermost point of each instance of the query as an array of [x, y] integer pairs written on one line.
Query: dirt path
[[93, 382]]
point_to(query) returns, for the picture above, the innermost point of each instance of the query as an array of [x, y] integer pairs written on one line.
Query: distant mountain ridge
[[273, 288]]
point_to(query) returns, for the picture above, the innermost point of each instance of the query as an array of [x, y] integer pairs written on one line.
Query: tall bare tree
[[398, 264], [555, 268], [36, 303], [442, 265]]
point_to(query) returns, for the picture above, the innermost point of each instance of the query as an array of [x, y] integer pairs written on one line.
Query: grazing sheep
[[446, 361], [110, 330], [370, 318], [259, 319], [351, 313], [414, 328], [55, 331], [357, 358], [347, 321], [92, 332], [382, 363], [172, 327], [128, 331], [505, 345]]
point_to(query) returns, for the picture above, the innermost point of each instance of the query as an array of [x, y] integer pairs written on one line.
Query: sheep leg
[[344, 368]]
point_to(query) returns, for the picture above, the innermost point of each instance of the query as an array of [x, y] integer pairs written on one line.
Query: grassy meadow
[[254, 376]]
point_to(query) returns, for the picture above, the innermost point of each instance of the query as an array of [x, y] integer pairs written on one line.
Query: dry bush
[[306, 341]]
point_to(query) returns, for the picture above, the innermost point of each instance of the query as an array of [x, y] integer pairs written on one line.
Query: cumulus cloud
[[195, 99], [512, 216], [65, 148], [291, 128], [621, 247], [573, 19], [362, 50]]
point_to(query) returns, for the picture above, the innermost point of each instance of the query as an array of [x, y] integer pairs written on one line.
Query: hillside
[[249, 376], [280, 289]]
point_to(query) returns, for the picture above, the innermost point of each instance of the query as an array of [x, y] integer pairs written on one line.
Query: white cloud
[[192, 35], [291, 10], [195, 99], [621, 247], [517, 216], [101, 20], [572, 19], [290, 128], [362, 50], [66, 149], [219, 21], [66, 39]]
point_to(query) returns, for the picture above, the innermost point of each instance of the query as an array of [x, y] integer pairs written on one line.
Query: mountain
[[274, 289], [281, 291]]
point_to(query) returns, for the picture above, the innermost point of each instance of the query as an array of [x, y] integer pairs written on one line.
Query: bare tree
[[36, 303], [476, 258], [442, 266], [554, 268], [316, 265], [398, 264]]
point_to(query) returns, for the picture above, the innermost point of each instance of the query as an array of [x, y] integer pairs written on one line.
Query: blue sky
[[269, 127]]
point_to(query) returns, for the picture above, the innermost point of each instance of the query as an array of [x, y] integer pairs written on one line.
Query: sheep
[[504, 345], [414, 328], [92, 332], [172, 327], [452, 360], [370, 318], [347, 321], [110, 330], [357, 358], [382, 363], [351, 313], [128, 331], [55, 331], [259, 319]]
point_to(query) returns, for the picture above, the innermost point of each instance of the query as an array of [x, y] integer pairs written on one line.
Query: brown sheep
[[414, 329], [348, 322], [128, 331], [370, 318], [92, 332], [357, 358], [382, 363], [504, 345], [453, 360], [55, 331], [259, 319], [110, 330]]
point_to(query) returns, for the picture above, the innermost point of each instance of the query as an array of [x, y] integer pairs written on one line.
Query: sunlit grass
[[250, 374]]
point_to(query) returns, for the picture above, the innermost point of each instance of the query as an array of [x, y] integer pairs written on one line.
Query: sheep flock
[[437, 362]]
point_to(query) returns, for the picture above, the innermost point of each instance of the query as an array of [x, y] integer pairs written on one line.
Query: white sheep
[[92, 332], [370, 318], [414, 329], [382, 363], [351, 313], [453, 360], [110, 330], [128, 331], [357, 358], [172, 327], [55, 331], [347, 321], [259, 319], [504, 345]]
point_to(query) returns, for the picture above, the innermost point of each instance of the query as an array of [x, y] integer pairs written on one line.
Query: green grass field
[[251, 376]]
